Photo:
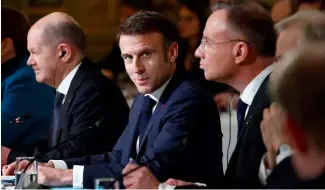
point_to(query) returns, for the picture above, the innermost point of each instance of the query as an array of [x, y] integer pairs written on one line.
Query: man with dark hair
[[238, 48], [83, 95], [174, 124], [20, 93]]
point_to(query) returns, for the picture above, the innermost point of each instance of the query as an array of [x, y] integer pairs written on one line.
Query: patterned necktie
[[146, 112], [241, 110], [56, 117]]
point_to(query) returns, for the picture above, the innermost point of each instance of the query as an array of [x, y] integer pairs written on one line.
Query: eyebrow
[[147, 49]]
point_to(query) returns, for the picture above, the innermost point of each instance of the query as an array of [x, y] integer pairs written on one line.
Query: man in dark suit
[[83, 95], [296, 86], [173, 127], [238, 48], [301, 27], [239, 52]]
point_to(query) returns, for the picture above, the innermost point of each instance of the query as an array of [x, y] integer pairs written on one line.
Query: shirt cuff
[[78, 176], [285, 151], [263, 173], [163, 186], [59, 164]]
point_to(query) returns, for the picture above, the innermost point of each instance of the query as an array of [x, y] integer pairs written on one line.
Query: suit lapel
[[173, 83], [260, 101], [133, 126], [75, 83]]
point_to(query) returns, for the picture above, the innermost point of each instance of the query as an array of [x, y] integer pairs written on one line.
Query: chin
[[144, 89]]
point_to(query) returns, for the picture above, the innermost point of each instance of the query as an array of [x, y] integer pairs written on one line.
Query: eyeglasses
[[206, 45]]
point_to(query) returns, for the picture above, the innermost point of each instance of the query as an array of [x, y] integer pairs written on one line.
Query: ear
[[172, 52], [7, 49], [298, 139], [64, 52], [240, 52]]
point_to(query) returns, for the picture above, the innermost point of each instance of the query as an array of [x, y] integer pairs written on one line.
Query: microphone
[[20, 119], [96, 125]]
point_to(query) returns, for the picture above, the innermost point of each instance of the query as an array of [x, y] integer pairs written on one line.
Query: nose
[[199, 53], [30, 60], [138, 66]]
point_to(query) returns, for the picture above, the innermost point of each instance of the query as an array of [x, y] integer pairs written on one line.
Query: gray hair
[[314, 32], [296, 84], [65, 32], [300, 18]]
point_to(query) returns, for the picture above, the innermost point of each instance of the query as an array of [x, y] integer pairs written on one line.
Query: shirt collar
[[251, 89], [157, 93], [65, 84]]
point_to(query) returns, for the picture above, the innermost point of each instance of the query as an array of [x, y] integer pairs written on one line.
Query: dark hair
[[15, 25], [201, 10], [68, 31], [144, 22], [253, 22]]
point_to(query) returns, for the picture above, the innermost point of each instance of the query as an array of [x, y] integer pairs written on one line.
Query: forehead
[[287, 41], [138, 42], [34, 37], [216, 25]]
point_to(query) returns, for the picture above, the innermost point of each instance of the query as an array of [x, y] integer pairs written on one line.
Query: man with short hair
[[273, 124], [296, 86], [238, 48], [174, 124], [83, 95]]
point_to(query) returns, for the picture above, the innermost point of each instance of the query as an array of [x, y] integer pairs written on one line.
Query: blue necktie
[[146, 113], [56, 117], [241, 110]]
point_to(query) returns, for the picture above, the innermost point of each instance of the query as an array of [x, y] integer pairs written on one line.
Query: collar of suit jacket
[[157, 93], [66, 82], [251, 89]]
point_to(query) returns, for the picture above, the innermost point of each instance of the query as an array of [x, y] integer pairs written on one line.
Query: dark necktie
[[56, 117], [241, 110], [146, 113]]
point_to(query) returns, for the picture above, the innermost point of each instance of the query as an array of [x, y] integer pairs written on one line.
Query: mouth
[[201, 66], [142, 81]]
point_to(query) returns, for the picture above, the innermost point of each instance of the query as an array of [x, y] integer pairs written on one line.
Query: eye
[[127, 57], [146, 54]]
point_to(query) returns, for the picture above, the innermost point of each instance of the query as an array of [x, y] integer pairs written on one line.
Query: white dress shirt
[[78, 170], [66, 82]]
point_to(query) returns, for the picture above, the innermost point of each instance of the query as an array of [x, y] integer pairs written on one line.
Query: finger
[[4, 169], [171, 181], [128, 168], [273, 108], [128, 182], [266, 113], [10, 170]]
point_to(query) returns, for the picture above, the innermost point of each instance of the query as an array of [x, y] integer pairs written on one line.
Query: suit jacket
[[243, 167], [283, 176], [183, 139], [91, 96], [22, 94]]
